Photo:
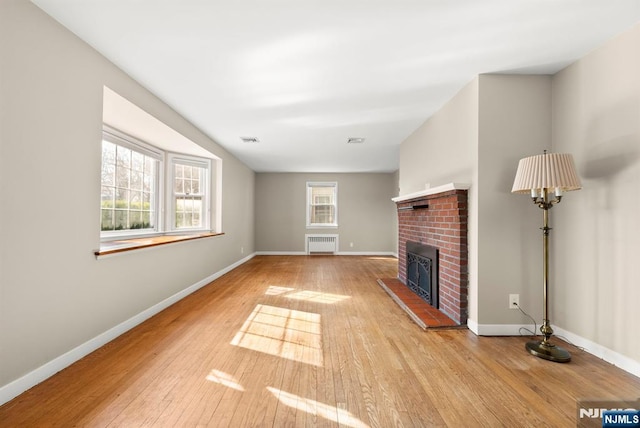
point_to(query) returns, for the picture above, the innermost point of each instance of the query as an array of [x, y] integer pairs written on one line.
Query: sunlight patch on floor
[[224, 379], [276, 290], [310, 296], [282, 332], [313, 407], [315, 296]]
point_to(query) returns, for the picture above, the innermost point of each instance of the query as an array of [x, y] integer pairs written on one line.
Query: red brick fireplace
[[438, 217]]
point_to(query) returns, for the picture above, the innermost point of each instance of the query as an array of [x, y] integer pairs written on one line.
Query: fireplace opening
[[422, 271]]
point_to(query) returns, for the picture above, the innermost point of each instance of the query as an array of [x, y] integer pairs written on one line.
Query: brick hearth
[[443, 224]]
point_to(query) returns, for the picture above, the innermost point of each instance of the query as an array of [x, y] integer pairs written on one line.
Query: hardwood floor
[[311, 341]]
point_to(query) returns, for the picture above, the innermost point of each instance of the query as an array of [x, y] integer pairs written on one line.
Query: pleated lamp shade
[[555, 171]]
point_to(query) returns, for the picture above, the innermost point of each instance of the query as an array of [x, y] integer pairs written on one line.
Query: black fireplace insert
[[422, 271]]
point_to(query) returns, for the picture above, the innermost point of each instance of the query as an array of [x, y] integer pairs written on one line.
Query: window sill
[[123, 245]]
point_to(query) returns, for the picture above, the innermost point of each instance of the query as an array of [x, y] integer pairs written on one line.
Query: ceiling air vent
[[251, 140], [355, 140]]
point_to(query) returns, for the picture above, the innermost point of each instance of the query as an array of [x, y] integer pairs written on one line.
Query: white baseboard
[[625, 363], [473, 326], [339, 253], [499, 329], [366, 253], [18, 386], [280, 253]]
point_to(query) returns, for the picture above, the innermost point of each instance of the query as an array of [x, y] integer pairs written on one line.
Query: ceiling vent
[[251, 140], [355, 140]]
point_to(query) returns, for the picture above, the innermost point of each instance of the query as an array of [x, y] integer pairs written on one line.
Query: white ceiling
[[303, 76]]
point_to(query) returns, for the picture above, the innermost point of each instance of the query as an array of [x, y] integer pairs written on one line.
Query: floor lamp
[[544, 176]]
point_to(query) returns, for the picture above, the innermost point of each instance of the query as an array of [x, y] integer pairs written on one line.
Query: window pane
[[108, 174], [322, 214], [107, 197], [147, 220], [178, 186], [106, 222], [108, 152], [135, 220], [122, 198], [121, 220], [188, 212], [137, 161], [123, 157], [135, 201], [136, 180], [122, 177], [129, 180], [323, 195]]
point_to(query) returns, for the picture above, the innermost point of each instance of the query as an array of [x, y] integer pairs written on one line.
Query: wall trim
[[498, 329], [339, 253], [280, 253], [615, 358], [366, 253], [11, 390]]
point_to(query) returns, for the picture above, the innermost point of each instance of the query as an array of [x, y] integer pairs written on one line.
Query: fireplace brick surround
[[439, 217]]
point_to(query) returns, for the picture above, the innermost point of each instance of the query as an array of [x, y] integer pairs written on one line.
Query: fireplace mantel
[[432, 191]]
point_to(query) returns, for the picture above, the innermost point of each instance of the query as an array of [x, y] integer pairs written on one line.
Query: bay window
[[146, 190]]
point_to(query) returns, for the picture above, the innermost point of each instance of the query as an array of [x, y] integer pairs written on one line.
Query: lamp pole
[[544, 348]]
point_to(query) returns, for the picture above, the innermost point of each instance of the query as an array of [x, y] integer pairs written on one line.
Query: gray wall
[[596, 247], [514, 122], [366, 214], [54, 294]]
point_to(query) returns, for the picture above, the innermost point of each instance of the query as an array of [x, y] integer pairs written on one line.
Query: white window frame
[[165, 223], [310, 186], [173, 159], [114, 136]]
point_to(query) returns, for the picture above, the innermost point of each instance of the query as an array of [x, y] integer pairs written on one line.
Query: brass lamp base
[[548, 351]]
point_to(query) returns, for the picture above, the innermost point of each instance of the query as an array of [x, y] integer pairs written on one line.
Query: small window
[[190, 194], [322, 204]]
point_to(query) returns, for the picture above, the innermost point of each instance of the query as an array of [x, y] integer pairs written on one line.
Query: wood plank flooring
[[311, 341]]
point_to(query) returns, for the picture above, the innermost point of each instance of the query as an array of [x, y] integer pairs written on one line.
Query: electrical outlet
[[514, 301], [351, 244], [241, 250]]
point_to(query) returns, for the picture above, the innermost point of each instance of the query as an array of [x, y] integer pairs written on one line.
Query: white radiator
[[323, 243]]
